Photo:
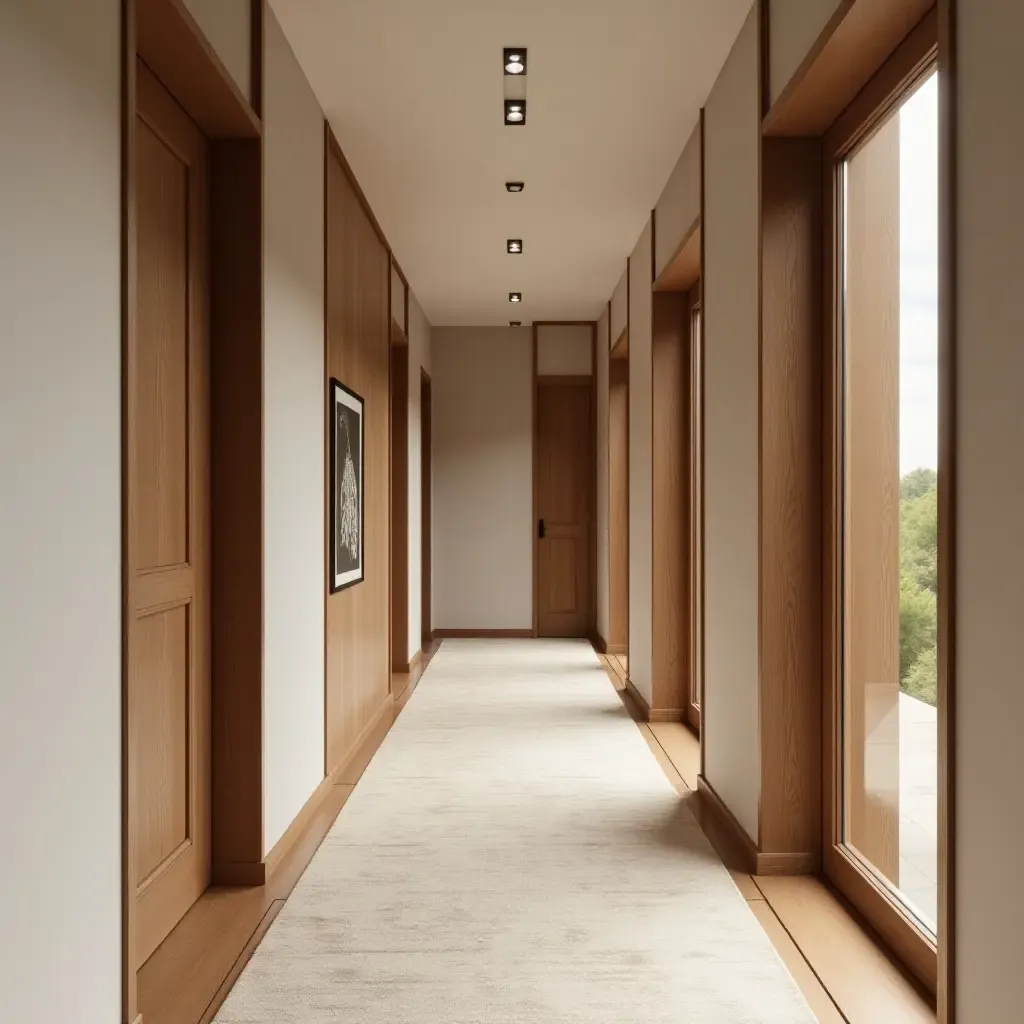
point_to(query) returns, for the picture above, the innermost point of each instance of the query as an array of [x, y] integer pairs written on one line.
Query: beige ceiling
[[414, 91]]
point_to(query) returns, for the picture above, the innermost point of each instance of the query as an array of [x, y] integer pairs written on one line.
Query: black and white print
[[347, 499]]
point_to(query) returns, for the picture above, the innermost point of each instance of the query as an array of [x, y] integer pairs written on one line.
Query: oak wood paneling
[[237, 377], [168, 521], [791, 425], [618, 502], [856, 41], [357, 353], [175, 48], [400, 508], [563, 474], [670, 524]]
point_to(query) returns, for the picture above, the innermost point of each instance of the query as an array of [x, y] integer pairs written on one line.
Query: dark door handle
[[540, 528]]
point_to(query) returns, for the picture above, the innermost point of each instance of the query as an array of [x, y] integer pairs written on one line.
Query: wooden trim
[[483, 634], [948, 345], [650, 714], [171, 43], [683, 269], [426, 510], [620, 349], [858, 39], [239, 872], [129, 968], [727, 835], [533, 484], [764, 27], [398, 520], [257, 50], [914, 58], [298, 827], [598, 642], [335, 147], [351, 765], [908, 63], [703, 534], [592, 518]]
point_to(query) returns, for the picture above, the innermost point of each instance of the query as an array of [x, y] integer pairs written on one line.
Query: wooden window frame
[[696, 568], [913, 60]]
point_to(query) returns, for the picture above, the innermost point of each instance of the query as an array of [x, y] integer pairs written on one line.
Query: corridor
[[514, 853]]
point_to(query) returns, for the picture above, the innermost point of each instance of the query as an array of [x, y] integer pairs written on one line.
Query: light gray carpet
[[514, 855]]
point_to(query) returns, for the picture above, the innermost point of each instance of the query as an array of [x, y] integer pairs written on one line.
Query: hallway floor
[[514, 853]]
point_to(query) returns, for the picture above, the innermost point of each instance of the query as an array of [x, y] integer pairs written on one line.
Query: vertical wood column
[[618, 505], [670, 525], [790, 625]]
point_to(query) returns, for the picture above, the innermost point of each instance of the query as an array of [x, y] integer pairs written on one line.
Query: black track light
[[515, 186], [514, 59], [514, 245], [515, 296], [515, 112]]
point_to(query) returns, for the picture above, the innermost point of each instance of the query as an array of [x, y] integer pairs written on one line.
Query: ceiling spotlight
[[515, 186], [515, 112], [515, 60], [514, 245], [515, 323], [515, 296]]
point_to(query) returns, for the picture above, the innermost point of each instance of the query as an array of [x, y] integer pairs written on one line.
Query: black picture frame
[[347, 419]]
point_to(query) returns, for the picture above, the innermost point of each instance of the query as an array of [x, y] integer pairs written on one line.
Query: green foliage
[[919, 546], [922, 680]]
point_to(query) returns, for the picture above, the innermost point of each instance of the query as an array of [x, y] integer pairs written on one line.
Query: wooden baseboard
[[653, 714], [483, 634], [598, 643], [737, 849], [365, 745], [298, 826], [727, 835], [617, 649], [237, 872]]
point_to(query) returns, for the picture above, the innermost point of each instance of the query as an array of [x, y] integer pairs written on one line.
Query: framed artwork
[[347, 491]]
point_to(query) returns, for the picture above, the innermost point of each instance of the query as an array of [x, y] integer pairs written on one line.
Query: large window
[[884, 515]]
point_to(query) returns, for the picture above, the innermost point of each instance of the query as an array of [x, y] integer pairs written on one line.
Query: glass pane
[[890, 522]]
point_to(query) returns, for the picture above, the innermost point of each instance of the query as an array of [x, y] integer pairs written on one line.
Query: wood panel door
[[168, 522], [564, 468]]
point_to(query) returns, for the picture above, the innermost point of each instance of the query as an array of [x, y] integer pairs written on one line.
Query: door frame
[[164, 35], [426, 511], [591, 476]]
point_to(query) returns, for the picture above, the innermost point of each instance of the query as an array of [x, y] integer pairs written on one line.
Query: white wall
[[679, 205], [990, 493], [419, 360], [619, 310], [483, 477], [641, 481], [227, 25], [565, 350], [293, 763], [731, 436], [602, 475], [60, 511], [794, 27]]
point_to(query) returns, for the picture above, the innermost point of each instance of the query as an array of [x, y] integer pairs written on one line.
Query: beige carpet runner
[[514, 855]]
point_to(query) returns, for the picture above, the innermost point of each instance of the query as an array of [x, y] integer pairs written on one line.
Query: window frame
[[912, 61]]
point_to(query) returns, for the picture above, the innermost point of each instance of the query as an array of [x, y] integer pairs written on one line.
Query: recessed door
[[168, 522], [564, 464]]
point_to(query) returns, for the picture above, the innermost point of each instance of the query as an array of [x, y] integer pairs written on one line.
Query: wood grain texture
[[236, 250], [618, 503], [652, 714], [683, 269], [563, 473], [864, 982], [696, 510], [399, 507], [620, 347], [857, 40], [358, 273], [426, 509], [790, 466], [175, 49], [670, 514], [167, 482], [727, 835]]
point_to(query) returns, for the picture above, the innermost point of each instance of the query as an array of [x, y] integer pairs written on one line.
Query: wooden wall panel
[[399, 506], [791, 459], [358, 342], [671, 510], [618, 505]]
